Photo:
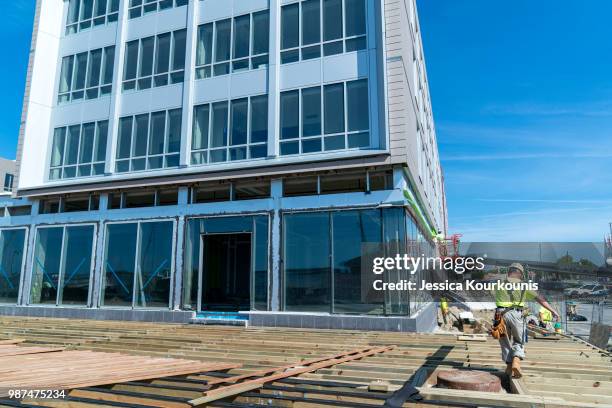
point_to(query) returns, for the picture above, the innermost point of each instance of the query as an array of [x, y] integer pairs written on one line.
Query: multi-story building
[[7, 175], [191, 157]]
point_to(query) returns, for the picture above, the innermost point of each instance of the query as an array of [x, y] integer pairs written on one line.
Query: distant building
[[223, 156], [7, 175]]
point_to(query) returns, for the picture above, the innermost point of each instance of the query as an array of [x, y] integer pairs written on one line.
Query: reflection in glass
[[77, 265], [307, 262], [353, 233], [154, 265], [11, 260], [119, 264], [46, 267]]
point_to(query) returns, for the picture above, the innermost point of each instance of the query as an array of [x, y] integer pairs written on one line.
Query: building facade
[[7, 175], [182, 158]]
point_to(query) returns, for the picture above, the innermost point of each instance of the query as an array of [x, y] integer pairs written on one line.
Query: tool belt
[[499, 325]]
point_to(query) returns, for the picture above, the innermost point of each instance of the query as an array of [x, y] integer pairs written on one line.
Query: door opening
[[226, 272]]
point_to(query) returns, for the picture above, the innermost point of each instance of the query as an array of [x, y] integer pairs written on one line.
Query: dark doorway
[[226, 272]]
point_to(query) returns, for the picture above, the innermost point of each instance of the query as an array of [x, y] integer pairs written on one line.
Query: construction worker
[[546, 318], [509, 323]]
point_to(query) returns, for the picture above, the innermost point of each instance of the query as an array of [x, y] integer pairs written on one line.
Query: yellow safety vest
[[545, 315]]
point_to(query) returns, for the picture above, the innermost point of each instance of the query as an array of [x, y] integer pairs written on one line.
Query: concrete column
[[274, 79], [189, 80], [183, 201], [115, 105], [24, 296], [275, 246]]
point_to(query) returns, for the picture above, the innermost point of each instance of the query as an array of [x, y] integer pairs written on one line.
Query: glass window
[[119, 264], [78, 247], [219, 126], [93, 76], [204, 51], [242, 34], [81, 70], [298, 186], [12, 251], [85, 71], [147, 46], [72, 144], [223, 42], [154, 270], [131, 60], [357, 105], [162, 56], [356, 235], [307, 262], [240, 109], [290, 26], [178, 55], [175, 118], [355, 17], [81, 12], [332, 19], [248, 190], [46, 267], [311, 19], [125, 138], [259, 119], [290, 114], [311, 111], [334, 108], [66, 78], [200, 127], [57, 151], [261, 33], [158, 128]]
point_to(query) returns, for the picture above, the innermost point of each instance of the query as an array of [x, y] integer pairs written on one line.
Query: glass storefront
[[12, 245], [138, 265], [327, 260], [62, 264], [226, 263]]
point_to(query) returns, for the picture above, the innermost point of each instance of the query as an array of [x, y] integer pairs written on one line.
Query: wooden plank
[[11, 341], [235, 389]]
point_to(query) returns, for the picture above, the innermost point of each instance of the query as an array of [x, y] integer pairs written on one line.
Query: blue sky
[[522, 100]]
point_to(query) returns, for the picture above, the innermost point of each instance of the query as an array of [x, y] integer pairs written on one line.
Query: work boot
[[516, 368]]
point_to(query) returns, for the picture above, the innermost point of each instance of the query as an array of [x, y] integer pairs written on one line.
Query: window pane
[[307, 262], [87, 140], [100, 8], [109, 63], [87, 9], [141, 131], [332, 19], [155, 265], [334, 108], [146, 56], [77, 265], [223, 42], [290, 114], [11, 260], [73, 11], [57, 152], [119, 264], [131, 60], [46, 267], [66, 76], [101, 139], [357, 105], [239, 121], [174, 130], [259, 119], [158, 130], [355, 17], [311, 20], [178, 57], [114, 6], [162, 57], [242, 34], [356, 234], [290, 26], [200, 127], [205, 39], [125, 138], [95, 62], [261, 32], [219, 127], [72, 144], [81, 70], [311, 111]]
